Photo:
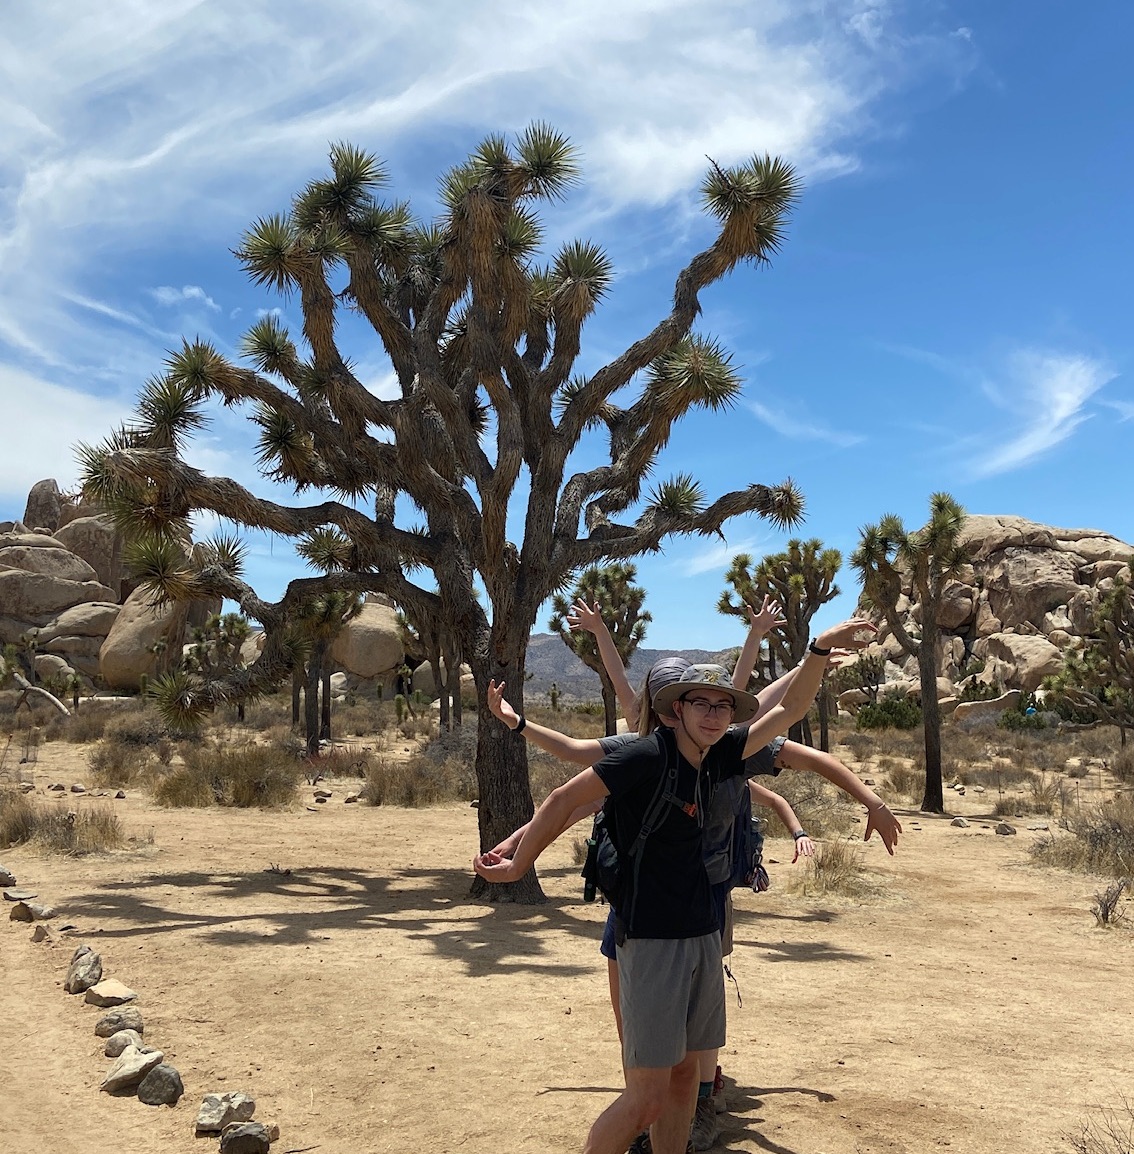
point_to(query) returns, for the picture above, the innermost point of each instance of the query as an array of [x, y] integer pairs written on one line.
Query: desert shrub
[[1094, 742], [419, 782], [359, 718], [588, 708], [1009, 805], [91, 829], [579, 848], [1108, 908], [894, 711], [89, 724], [269, 712], [18, 817], [342, 761], [1122, 764], [861, 745], [242, 776], [117, 763], [1111, 1133], [141, 727], [836, 870], [904, 780], [823, 810], [185, 788], [1045, 794], [1099, 839], [547, 773], [1016, 721], [979, 691]]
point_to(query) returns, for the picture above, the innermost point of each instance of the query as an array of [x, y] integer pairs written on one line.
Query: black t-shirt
[[672, 897]]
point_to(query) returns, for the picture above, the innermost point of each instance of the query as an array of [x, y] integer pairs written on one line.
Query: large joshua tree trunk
[[502, 760], [934, 799]]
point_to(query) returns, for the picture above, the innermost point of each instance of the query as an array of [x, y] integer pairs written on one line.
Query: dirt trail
[[369, 1006]]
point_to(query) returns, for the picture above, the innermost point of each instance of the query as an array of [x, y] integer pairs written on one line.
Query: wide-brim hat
[[706, 677]]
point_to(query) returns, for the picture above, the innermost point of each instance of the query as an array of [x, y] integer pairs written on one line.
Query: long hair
[[663, 672]]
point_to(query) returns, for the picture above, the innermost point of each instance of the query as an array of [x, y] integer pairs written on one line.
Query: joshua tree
[[802, 580], [926, 558], [482, 335], [1099, 679], [611, 588]]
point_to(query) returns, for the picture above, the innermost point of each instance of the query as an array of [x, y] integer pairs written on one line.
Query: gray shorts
[[672, 998]]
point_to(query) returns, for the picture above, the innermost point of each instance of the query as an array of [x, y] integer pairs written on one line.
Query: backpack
[[748, 849], [614, 874]]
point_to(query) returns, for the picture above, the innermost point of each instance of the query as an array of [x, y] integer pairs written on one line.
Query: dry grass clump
[[419, 782], [836, 870], [824, 811], [360, 718], [903, 780], [90, 829], [116, 764], [243, 776], [1122, 764], [1099, 839], [341, 761], [861, 745]]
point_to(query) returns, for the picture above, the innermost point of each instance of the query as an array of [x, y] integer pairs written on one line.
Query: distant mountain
[[549, 660]]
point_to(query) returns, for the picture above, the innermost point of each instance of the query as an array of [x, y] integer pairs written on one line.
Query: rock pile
[[1028, 595]]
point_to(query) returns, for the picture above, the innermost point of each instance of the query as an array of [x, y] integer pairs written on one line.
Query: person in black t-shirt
[[672, 987]]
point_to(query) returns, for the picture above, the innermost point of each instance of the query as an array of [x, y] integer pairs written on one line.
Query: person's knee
[[648, 1096]]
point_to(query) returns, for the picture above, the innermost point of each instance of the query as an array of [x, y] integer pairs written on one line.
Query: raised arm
[[879, 817], [760, 624], [550, 820], [782, 809], [804, 685], [589, 619], [581, 751]]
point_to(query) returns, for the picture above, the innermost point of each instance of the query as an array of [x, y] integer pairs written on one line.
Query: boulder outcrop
[[1029, 593]]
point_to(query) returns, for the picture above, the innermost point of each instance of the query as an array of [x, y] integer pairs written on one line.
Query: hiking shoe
[[641, 1144], [705, 1125]]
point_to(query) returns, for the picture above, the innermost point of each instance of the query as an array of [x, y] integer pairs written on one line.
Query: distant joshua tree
[[927, 558], [802, 580], [619, 601]]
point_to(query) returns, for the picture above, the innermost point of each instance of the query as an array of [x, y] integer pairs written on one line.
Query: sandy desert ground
[[370, 1006]]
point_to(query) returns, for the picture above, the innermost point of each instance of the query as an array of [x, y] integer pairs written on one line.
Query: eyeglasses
[[707, 708]]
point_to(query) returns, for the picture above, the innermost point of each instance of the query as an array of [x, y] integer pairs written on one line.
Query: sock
[[704, 1089]]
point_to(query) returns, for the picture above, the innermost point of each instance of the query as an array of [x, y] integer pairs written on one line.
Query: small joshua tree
[[619, 601]]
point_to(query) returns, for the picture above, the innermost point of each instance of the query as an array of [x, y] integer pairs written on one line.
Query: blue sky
[[951, 309]]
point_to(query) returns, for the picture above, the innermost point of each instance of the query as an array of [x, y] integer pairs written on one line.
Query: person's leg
[[615, 1005], [670, 1132], [643, 1101]]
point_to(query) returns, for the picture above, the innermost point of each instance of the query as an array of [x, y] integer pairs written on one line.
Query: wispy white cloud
[[799, 427], [1045, 394], [702, 557], [1124, 409], [169, 296], [50, 421]]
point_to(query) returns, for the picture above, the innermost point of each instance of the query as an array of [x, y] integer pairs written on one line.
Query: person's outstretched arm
[[805, 684], [879, 817], [760, 624], [804, 847], [588, 618], [507, 847], [581, 751], [550, 820]]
